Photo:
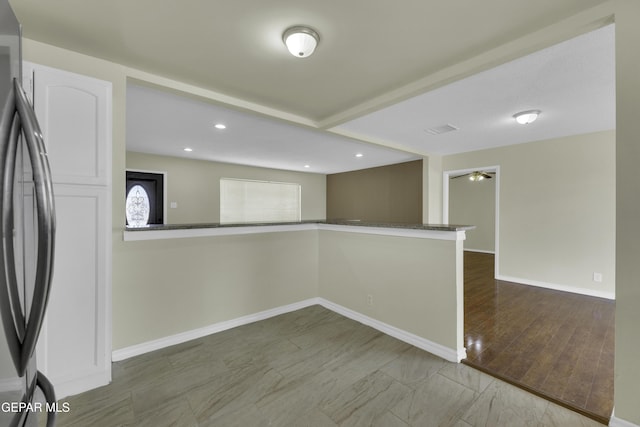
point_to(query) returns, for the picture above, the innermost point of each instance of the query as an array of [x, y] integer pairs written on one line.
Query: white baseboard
[[434, 348], [482, 251], [564, 288], [618, 422], [79, 383], [145, 347]]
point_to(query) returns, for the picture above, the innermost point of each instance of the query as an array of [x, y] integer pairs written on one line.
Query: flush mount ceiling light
[[301, 41], [220, 126], [526, 117]]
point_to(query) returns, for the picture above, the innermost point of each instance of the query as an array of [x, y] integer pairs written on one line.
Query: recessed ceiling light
[[188, 149], [359, 155], [526, 117], [220, 126], [307, 166]]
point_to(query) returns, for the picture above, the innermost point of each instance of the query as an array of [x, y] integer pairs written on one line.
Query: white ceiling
[[372, 57], [164, 123], [367, 47], [573, 83]]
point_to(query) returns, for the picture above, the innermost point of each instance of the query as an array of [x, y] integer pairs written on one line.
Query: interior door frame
[[447, 175]]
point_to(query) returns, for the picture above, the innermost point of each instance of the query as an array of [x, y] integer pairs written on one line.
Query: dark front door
[[153, 186]]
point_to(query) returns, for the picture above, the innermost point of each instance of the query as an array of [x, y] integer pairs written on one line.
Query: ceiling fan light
[[526, 117], [301, 41], [476, 176]]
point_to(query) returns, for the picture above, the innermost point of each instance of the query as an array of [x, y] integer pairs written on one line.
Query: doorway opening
[[491, 243]]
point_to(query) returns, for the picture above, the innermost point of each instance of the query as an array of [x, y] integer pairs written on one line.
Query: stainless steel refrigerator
[[27, 228]]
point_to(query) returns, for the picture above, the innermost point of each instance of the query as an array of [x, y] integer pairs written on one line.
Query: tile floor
[[311, 367]]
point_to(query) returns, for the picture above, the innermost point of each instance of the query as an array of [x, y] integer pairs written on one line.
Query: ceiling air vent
[[441, 129]]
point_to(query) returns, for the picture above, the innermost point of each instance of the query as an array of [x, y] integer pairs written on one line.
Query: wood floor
[[308, 368], [556, 344]]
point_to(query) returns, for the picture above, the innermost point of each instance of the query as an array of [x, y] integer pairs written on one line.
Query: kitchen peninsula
[[216, 228], [402, 279]]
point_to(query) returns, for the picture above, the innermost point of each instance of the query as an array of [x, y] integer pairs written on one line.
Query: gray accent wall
[[390, 193]]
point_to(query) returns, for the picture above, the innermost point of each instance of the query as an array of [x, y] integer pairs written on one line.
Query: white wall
[[195, 185], [177, 285], [627, 374], [557, 210], [409, 286], [432, 190], [415, 284], [474, 203]]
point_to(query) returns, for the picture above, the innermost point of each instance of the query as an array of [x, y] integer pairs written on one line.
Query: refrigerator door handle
[[43, 188], [45, 385], [13, 318], [9, 227]]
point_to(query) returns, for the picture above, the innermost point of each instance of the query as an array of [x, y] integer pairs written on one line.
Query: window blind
[[258, 201]]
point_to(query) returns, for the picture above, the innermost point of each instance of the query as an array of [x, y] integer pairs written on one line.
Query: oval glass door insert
[[137, 207]]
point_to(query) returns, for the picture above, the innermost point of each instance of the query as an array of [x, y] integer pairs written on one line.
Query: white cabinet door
[[74, 349], [75, 117]]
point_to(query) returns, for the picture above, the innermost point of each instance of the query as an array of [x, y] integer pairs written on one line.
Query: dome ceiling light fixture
[[301, 41], [526, 117]]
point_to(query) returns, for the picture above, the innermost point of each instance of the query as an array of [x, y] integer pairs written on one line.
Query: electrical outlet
[[174, 205], [597, 277], [370, 300]]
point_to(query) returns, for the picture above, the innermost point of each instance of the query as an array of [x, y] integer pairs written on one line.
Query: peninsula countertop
[[358, 223], [168, 231]]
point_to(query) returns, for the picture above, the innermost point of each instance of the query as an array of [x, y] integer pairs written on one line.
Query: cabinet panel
[[75, 116], [74, 350]]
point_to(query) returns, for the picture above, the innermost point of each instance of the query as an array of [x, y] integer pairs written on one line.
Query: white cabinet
[[74, 111], [75, 117]]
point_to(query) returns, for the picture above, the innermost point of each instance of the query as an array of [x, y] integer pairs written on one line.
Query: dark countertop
[[358, 223]]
